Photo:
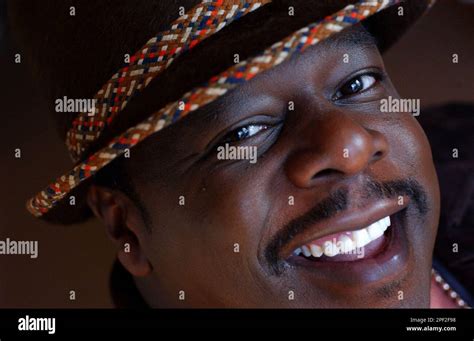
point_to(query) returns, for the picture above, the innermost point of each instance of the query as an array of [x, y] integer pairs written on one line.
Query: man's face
[[329, 163]]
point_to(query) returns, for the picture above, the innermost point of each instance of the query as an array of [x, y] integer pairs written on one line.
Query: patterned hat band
[[187, 31]]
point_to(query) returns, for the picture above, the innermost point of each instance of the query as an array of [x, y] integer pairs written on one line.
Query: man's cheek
[[414, 152], [409, 147], [423, 162]]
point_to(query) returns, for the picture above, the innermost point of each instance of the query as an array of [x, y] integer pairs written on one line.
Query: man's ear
[[124, 226]]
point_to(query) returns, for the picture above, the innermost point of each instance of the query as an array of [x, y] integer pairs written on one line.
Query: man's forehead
[[351, 40], [356, 35]]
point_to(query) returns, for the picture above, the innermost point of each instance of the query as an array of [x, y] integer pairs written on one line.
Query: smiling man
[[387, 178], [338, 208]]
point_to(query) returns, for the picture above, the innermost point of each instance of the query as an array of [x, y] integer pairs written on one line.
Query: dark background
[[79, 257]]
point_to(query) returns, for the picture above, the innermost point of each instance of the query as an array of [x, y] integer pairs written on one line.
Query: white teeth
[[361, 237], [330, 249], [346, 241], [375, 230], [316, 250], [306, 251]]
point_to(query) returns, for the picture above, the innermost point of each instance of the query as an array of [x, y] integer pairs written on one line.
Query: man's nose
[[336, 144]]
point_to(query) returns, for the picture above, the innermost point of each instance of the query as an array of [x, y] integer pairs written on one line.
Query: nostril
[[326, 172], [378, 155]]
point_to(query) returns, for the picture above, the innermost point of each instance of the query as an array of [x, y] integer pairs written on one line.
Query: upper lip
[[346, 221]]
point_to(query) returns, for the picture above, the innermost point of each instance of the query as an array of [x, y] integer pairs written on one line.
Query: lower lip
[[385, 259]]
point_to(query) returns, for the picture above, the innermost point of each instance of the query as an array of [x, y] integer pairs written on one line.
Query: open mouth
[[348, 246], [377, 251]]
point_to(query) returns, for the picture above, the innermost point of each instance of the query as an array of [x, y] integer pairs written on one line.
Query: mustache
[[337, 202]]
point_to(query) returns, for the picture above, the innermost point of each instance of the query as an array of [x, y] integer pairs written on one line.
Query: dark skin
[[300, 154]]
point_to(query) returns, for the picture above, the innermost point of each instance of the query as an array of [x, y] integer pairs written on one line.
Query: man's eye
[[356, 85], [244, 132]]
